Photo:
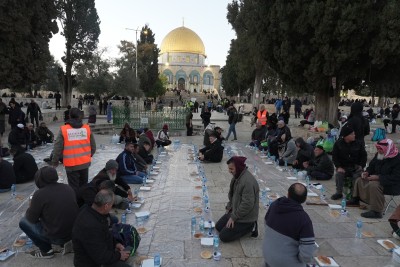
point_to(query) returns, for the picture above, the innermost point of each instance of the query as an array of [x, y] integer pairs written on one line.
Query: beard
[[380, 156], [112, 176]]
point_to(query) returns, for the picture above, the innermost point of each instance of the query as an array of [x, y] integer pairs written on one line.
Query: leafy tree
[[309, 42], [125, 82], [238, 73], [148, 58], [94, 76], [240, 16], [81, 30], [25, 31], [54, 73]]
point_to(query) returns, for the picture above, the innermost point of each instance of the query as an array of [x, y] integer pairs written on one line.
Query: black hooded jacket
[[358, 122], [24, 166], [54, 205]]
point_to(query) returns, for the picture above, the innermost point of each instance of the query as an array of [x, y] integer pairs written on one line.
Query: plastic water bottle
[[206, 208], [285, 164], [193, 225], [157, 260], [344, 204], [264, 197], [144, 180], [322, 190], [216, 243], [307, 181], [13, 190], [123, 218], [359, 227], [201, 225], [29, 243]]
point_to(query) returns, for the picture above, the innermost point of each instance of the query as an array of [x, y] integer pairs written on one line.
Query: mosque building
[[183, 61]]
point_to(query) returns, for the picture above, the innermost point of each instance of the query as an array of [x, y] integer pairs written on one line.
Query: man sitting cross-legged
[[214, 152], [51, 213], [289, 234], [127, 166], [382, 177]]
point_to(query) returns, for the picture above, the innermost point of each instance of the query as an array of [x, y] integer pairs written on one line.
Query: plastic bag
[[328, 144], [115, 139]]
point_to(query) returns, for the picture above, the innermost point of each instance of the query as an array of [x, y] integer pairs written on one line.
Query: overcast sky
[[207, 18]]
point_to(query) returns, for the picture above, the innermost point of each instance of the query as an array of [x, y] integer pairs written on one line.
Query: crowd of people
[[84, 212]]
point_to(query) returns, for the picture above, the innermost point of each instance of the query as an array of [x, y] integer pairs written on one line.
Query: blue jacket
[[126, 163]]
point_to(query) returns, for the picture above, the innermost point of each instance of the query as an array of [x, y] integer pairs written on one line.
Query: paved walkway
[[171, 205]]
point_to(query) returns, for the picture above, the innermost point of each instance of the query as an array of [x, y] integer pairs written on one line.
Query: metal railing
[[140, 118]]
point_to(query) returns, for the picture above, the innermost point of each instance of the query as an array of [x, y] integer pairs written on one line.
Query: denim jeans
[[232, 129], [134, 178], [36, 233]]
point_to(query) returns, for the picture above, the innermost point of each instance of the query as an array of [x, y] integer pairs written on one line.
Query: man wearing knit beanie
[[242, 209], [349, 157], [51, 214], [110, 172]]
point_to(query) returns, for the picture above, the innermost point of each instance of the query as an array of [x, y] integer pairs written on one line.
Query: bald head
[[297, 192]]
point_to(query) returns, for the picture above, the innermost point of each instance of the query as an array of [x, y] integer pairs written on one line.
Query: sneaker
[[372, 214], [353, 202], [42, 255], [337, 196]]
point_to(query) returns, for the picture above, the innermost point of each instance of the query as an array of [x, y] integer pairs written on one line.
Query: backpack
[[379, 135], [127, 235]]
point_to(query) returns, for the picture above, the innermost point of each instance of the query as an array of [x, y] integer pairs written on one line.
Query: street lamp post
[[136, 48]]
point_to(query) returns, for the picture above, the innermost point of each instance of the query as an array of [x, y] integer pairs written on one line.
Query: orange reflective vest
[[262, 117], [77, 149]]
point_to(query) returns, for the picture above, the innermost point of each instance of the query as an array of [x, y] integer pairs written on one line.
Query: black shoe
[[254, 232], [337, 196], [372, 214], [354, 202]]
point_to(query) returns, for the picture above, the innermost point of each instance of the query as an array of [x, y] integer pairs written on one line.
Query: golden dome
[[182, 40]]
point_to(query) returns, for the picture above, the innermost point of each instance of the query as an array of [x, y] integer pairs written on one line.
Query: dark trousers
[[317, 175], [58, 104], [163, 143], [231, 234], [353, 173], [78, 178], [297, 112], [35, 118], [189, 129]]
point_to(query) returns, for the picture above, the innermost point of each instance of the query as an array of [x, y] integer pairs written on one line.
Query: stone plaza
[[177, 191]]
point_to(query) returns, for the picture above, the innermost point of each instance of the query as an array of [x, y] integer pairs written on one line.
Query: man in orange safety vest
[[262, 116]]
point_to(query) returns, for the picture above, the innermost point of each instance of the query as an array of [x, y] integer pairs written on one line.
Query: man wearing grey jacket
[[290, 154], [289, 235], [242, 209]]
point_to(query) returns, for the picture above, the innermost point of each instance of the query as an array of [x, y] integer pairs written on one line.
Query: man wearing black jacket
[[94, 246], [24, 166], [7, 175], [214, 152], [321, 167], [110, 172], [349, 157], [51, 214]]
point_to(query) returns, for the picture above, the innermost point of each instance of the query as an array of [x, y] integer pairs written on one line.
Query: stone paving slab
[[171, 206]]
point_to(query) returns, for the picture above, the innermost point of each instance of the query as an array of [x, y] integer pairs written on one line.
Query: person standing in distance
[[76, 145]]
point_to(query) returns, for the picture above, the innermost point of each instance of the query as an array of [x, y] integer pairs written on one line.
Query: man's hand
[[201, 157], [305, 164], [230, 223], [119, 247], [295, 162], [364, 175], [124, 255], [341, 170]]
